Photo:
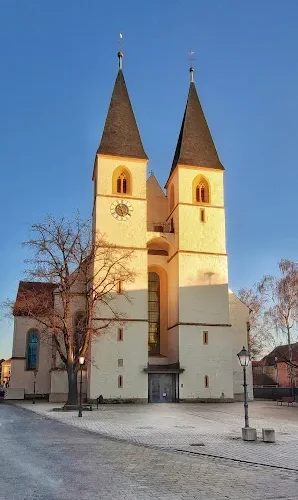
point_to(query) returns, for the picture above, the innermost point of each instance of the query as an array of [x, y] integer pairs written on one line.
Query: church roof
[[30, 296], [195, 145], [154, 189], [121, 135]]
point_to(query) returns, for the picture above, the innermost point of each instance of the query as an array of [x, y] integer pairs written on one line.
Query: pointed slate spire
[[121, 135], [195, 145]]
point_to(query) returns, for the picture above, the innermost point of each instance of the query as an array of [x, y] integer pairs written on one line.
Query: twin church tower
[[182, 327]]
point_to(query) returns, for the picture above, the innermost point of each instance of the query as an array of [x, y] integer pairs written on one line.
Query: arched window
[[32, 349], [154, 313], [201, 190], [172, 198], [121, 181]]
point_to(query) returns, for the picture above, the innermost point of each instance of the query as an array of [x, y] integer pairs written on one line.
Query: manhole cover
[[196, 444]]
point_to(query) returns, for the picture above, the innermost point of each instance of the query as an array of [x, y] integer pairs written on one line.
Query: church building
[[183, 325]]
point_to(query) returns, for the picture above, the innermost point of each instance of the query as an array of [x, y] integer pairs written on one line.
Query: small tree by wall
[[281, 296], [259, 335]]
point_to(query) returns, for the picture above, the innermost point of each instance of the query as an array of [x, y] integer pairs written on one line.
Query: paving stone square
[[205, 429], [43, 459]]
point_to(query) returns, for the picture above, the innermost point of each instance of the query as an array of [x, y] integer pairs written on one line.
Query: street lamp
[[81, 362], [244, 359], [34, 384]]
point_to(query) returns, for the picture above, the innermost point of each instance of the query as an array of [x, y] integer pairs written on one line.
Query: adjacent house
[[279, 368]]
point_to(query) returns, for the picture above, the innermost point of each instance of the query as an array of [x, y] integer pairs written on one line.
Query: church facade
[[183, 326]]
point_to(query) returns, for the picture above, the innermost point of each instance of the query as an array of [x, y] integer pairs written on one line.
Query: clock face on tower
[[121, 209]]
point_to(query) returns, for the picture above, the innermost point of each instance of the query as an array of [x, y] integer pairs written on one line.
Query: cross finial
[[120, 53], [191, 69], [151, 172]]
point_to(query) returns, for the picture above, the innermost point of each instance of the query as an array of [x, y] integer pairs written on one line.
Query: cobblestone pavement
[[209, 429], [44, 460]]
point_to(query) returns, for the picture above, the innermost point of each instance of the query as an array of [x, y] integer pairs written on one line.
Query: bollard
[[249, 434], [268, 435]]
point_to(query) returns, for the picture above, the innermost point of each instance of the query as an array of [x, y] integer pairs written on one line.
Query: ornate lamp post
[[81, 362], [34, 385], [244, 359]]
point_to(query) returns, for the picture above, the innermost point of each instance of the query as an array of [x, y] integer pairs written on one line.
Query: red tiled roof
[[282, 354]]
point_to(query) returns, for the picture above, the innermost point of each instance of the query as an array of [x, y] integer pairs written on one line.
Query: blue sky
[[58, 66]]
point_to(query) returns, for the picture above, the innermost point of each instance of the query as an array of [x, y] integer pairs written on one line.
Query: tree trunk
[[72, 375], [290, 367]]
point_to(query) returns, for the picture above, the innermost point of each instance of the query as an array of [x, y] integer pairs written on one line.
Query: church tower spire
[[121, 135], [195, 146]]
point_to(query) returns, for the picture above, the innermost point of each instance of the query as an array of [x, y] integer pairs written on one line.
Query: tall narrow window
[[206, 381], [120, 381], [201, 193], [124, 185], [203, 217], [172, 198], [120, 334], [205, 338], [172, 225], [32, 349], [154, 313]]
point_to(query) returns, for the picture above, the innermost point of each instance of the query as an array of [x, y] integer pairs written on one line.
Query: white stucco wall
[[59, 385], [239, 314], [21, 378], [131, 234], [203, 289], [104, 370], [198, 360]]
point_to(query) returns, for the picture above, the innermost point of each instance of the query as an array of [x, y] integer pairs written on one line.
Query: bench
[[87, 406], [289, 400]]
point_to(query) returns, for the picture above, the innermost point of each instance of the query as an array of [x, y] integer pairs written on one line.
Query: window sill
[[123, 195]]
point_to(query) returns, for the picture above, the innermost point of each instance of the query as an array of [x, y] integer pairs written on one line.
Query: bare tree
[[86, 273], [281, 295], [258, 331]]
